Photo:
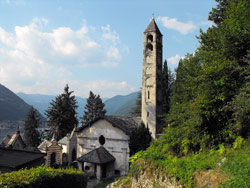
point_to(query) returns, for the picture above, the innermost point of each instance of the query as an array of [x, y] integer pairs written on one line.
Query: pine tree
[[94, 109], [62, 115], [136, 111], [167, 82], [31, 135]]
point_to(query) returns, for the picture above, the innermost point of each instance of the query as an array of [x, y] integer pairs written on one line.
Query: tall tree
[[94, 109], [140, 139], [136, 111], [31, 123], [62, 115]]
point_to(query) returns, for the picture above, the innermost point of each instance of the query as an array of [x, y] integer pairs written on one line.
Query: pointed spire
[[152, 27]]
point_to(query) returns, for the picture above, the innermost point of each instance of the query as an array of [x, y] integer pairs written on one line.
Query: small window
[[87, 168], [149, 47], [117, 172], [102, 140], [148, 95], [150, 38], [147, 114]]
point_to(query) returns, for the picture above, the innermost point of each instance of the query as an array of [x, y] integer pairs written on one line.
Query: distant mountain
[[42, 102], [12, 107], [121, 105], [118, 105]]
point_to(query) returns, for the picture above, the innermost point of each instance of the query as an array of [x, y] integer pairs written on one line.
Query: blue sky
[[90, 44]]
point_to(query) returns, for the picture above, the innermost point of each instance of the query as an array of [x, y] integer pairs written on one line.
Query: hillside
[[120, 105], [42, 102], [12, 107]]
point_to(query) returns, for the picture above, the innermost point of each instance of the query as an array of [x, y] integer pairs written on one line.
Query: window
[[148, 95], [147, 114], [149, 47], [117, 172], [150, 38], [102, 140]]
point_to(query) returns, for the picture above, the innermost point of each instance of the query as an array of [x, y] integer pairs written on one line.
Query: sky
[[91, 45]]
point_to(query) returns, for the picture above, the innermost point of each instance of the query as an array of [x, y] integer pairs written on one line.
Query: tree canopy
[[62, 115], [210, 100], [32, 122], [94, 108]]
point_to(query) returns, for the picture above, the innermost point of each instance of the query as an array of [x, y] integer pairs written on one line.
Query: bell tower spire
[[151, 78]]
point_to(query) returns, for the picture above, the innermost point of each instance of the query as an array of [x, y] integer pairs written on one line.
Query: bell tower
[[151, 78]]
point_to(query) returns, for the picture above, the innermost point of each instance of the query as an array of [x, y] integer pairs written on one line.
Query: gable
[[105, 128]]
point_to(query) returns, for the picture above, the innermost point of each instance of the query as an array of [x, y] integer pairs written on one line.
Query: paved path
[[92, 183]]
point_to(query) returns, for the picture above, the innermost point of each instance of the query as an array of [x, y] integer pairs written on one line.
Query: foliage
[[94, 108], [31, 123], [62, 115], [136, 111], [167, 83], [210, 100], [140, 139], [42, 177]]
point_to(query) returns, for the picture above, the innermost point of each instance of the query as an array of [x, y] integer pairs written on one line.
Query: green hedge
[[44, 177]]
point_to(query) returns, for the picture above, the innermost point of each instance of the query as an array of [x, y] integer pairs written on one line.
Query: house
[[103, 146], [14, 154], [14, 159]]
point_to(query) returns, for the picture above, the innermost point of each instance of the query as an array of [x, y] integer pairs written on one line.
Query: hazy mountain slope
[[42, 102], [121, 105], [118, 105], [12, 107]]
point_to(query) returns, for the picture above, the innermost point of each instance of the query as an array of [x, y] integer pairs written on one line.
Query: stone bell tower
[[151, 78]]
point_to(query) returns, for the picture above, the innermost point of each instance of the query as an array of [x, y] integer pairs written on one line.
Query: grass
[[229, 167]]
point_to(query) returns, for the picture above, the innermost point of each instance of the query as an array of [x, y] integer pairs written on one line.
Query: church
[[101, 148]]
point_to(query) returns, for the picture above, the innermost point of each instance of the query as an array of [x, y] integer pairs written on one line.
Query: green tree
[[167, 82], [62, 115], [140, 139], [31, 123], [136, 111], [94, 109]]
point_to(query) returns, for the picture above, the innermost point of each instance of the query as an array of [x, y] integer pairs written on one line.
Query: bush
[[44, 177]]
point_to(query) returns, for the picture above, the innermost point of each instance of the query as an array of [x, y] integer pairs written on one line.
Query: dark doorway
[[104, 171], [52, 159], [73, 155]]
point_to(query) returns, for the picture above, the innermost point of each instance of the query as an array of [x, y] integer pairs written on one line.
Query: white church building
[[101, 148]]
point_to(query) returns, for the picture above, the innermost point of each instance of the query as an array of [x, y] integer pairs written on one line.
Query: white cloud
[[113, 52], [175, 59], [33, 60], [110, 35], [173, 23]]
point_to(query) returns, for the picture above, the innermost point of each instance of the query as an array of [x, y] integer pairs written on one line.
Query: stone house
[[101, 148]]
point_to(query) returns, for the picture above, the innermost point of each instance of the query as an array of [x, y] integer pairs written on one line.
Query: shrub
[[43, 177]]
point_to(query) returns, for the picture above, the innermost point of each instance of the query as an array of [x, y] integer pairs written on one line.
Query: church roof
[[97, 156], [126, 124], [152, 27], [13, 158]]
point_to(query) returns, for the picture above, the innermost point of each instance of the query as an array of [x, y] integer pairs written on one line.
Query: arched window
[[102, 140], [149, 47], [73, 156], [52, 159], [150, 38]]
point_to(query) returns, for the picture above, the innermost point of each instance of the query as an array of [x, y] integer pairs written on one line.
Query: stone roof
[[63, 140], [152, 27], [5, 141], [43, 146], [12, 158], [97, 156], [126, 124]]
